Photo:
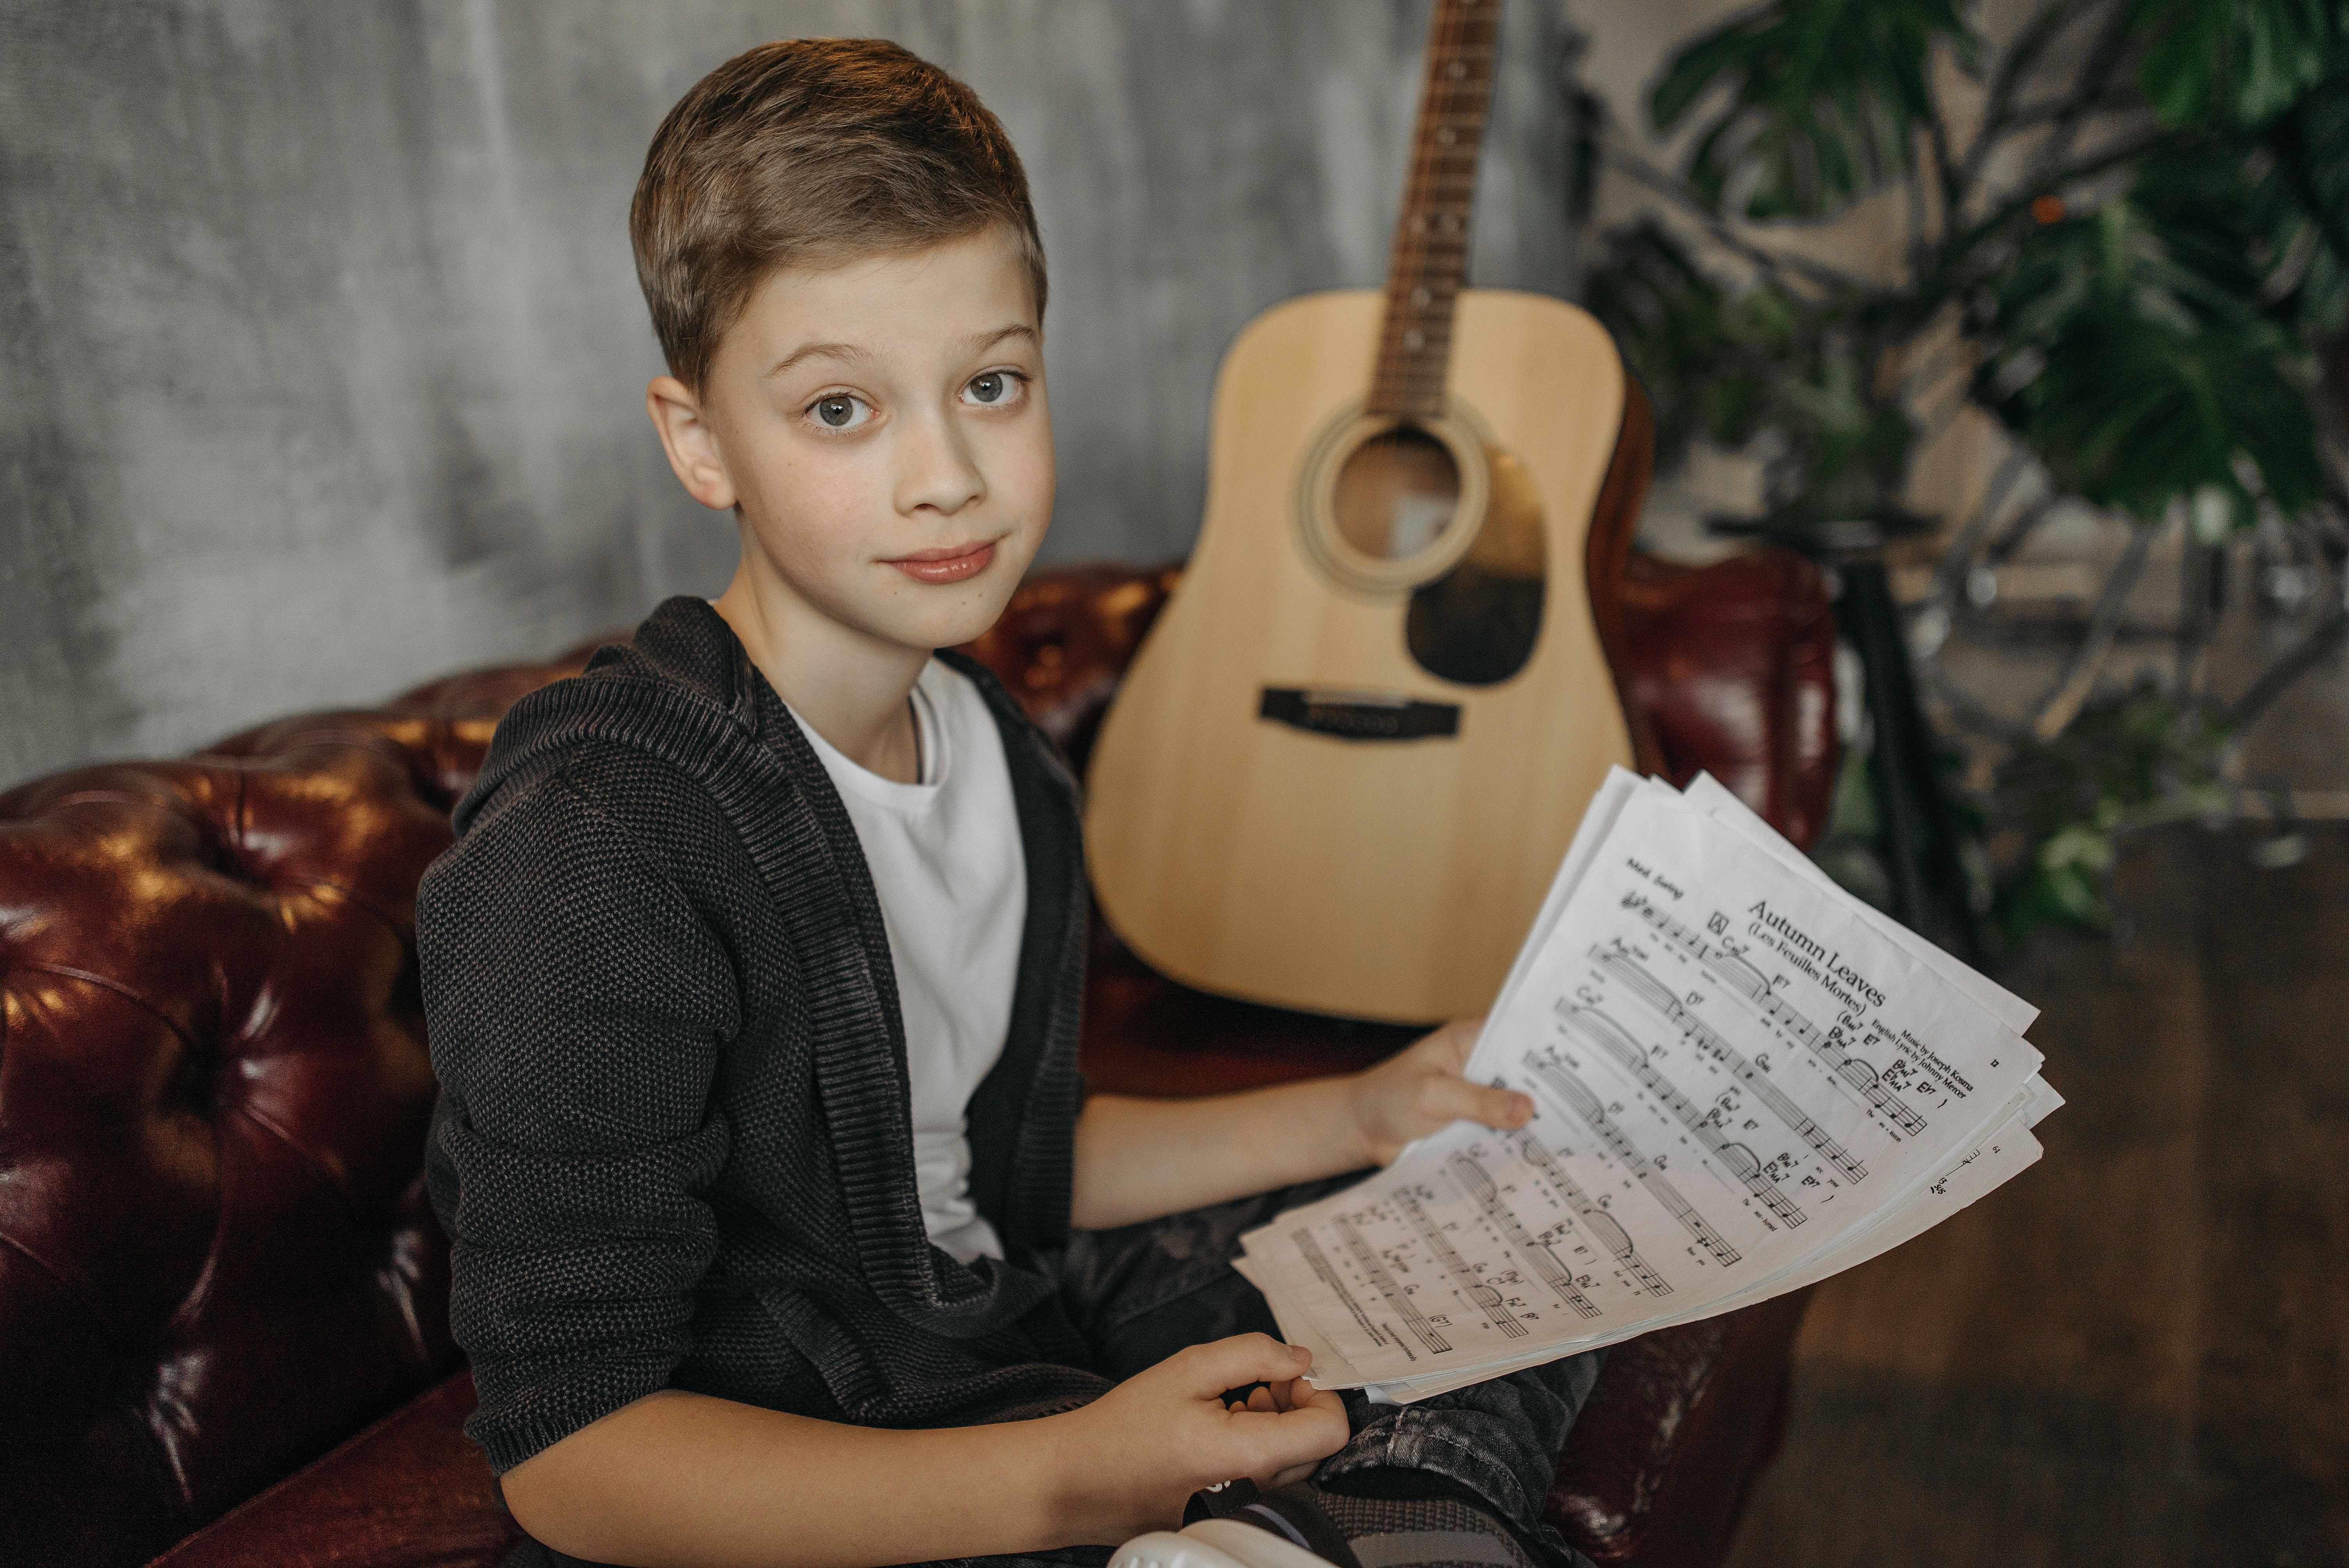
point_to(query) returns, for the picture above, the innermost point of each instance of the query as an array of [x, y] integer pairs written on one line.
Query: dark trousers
[[1141, 1292]]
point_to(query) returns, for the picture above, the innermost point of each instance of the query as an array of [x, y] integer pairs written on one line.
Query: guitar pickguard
[[1478, 622]]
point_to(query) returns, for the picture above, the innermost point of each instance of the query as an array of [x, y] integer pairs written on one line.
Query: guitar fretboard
[[1429, 263]]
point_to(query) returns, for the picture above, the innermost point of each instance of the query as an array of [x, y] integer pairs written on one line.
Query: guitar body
[[1277, 810]]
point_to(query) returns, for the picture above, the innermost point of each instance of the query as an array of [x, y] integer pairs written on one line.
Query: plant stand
[[1920, 840]]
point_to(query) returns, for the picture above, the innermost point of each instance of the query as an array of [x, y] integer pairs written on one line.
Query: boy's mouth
[[950, 563]]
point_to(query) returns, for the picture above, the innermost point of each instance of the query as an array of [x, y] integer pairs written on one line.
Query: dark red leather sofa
[[217, 1268]]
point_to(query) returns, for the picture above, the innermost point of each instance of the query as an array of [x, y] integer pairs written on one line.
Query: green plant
[[2126, 247]]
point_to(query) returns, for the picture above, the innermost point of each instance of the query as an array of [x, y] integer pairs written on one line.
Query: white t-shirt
[[952, 876]]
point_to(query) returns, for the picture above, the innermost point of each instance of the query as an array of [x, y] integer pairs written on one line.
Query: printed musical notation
[[1383, 1283], [1563, 1081], [1699, 1133], [1479, 1185], [1470, 1283], [1608, 1036], [1596, 1220], [1751, 984], [1617, 961]]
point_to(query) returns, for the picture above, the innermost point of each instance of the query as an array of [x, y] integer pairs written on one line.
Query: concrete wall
[[321, 355]]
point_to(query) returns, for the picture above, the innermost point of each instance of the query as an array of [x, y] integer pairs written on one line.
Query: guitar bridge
[[1354, 714]]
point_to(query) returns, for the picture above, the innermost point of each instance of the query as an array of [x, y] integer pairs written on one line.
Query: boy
[[753, 978]]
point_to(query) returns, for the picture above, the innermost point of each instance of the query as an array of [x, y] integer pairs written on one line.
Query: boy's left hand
[[1421, 1091]]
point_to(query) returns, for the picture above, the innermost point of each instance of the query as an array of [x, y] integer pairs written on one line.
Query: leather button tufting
[[213, 1090]]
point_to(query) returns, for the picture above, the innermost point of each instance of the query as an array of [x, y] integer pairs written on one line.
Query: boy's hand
[[1133, 1457], [1421, 1091]]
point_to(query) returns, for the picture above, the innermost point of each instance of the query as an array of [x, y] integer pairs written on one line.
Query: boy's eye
[[842, 412], [995, 386]]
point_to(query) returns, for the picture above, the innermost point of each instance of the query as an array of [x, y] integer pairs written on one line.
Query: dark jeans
[[1143, 1292]]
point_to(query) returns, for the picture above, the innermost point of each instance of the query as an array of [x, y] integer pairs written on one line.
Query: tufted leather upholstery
[[215, 1259], [1656, 1472]]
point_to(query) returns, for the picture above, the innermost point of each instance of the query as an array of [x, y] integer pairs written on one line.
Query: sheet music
[[1743, 1083]]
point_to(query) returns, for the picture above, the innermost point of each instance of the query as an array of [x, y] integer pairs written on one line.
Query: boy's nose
[[936, 468]]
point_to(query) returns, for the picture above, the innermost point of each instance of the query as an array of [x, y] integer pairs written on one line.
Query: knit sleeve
[[578, 1005]]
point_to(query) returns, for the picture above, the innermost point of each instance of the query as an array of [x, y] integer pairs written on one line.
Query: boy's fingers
[[1208, 1369], [1505, 1107], [1455, 1099], [1302, 1435]]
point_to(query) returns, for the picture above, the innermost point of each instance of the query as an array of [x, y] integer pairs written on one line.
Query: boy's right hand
[[1132, 1458]]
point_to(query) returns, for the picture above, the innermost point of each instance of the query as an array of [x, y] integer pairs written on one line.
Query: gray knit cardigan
[[673, 1147]]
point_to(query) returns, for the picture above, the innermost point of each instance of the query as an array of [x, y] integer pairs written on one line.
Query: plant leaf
[[2232, 61], [2137, 360], [1825, 99]]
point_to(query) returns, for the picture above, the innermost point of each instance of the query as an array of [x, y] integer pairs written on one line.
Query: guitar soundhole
[[1477, 624], [1396, 493]]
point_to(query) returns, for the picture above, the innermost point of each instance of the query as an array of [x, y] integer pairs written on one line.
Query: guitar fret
[[1427, 262]]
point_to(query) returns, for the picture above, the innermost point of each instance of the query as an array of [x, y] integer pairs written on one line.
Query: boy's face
[[881, 427]]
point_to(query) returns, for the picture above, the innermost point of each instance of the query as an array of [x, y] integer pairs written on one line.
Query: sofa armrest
[[1656, 1469], [410, 1491]]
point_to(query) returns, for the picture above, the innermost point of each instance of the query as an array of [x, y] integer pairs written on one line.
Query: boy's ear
[[690, 443]]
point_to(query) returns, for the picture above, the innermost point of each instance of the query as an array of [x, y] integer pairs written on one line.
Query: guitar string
[[1400, 268], [1460, 102], [1407, 271], [1443, 40]]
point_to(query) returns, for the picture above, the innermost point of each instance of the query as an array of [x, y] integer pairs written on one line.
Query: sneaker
[[1303, 1526]]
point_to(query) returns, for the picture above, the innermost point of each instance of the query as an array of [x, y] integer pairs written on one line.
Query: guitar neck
[[1429, 263]]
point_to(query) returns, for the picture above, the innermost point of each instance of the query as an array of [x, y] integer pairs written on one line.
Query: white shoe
[[1214, 1543]]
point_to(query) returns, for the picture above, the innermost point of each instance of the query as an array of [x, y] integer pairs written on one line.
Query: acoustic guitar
[[1348, 756]]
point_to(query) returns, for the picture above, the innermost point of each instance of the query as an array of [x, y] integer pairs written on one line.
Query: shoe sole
[[1214, 1543]]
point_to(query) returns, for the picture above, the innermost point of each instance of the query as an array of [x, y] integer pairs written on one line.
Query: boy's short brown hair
[[810, 152]]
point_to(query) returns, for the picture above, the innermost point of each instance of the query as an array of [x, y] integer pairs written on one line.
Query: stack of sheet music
[[1747, 1080]]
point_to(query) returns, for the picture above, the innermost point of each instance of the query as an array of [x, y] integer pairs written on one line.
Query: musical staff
[[1596, 1220], [1569, 1086], [1617, 961], [1395, 1296], [1497, 1311], [1477, 1182], [1611, 1036], [1751, 984]]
